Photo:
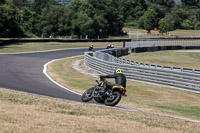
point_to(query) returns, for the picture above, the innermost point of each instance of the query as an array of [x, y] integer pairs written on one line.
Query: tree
[[191, 3], [2, 2], [87, 8], [132, 10], [28, 20], [166, 3], [93, 17], [65, 22], [108, 9], [21, 3], [190, 22], [82, 6], [197, 26], [162, 27], [195, 12], [176, 17], [9, 20], [161, 6], [50, 20], [83, 25], [38, 5], [169, 22], [150, 20], [100, 25], [141, 22]]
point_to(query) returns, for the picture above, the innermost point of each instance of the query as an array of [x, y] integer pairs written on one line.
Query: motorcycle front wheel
[[113, 99], [87, 95]]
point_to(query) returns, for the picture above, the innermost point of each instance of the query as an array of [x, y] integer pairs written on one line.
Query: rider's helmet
[[119, 70]]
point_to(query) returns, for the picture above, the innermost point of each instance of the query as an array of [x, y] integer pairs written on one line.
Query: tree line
[[94, 18]]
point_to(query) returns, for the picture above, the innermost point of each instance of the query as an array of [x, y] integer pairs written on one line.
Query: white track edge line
[[49, 77]]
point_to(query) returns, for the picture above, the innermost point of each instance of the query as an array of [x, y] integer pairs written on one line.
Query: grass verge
[[168, 58], [44, 46], [22, 112], [149, 98], [155, 34]]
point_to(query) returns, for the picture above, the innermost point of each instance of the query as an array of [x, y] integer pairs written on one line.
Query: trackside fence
[[174, 77], [164, 42], [106, 61]]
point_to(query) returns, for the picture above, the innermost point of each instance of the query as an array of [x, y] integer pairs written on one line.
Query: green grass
[[186, 111], [28, 47], [71, 76], [168, 58], [44, 46]]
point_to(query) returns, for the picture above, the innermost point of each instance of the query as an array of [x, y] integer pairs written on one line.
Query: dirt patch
[[80, 66]]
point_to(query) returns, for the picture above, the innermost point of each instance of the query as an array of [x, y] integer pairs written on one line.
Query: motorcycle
[[110, 97], [90, 48]]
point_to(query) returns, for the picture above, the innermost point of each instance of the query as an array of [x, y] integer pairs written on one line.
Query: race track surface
[[24, 72]]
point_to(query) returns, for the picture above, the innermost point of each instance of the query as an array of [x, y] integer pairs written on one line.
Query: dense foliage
[[94, 18]]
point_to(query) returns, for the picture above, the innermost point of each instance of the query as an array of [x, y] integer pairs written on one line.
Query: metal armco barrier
[[106, 63], [165, 42]]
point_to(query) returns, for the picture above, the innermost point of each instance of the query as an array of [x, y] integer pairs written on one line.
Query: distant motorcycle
[[110, 46], [111, 97], [90, 48]]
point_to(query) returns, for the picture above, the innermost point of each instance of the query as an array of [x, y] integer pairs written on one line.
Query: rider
[[112, 46], [91, 47], [120, 79], [109, 46]]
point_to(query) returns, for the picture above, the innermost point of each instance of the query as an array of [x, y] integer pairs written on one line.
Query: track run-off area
[[26, 72]]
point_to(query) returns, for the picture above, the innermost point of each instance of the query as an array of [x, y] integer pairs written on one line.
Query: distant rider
[[109, 46], [91, 47], [120, 79]]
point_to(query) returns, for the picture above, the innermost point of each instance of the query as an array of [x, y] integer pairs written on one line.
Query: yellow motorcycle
[[110, 97]]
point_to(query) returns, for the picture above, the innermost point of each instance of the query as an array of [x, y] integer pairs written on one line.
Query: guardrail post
[[129, 62], [125, 61]]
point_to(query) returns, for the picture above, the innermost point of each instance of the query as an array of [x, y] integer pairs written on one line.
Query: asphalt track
[[24, 72]]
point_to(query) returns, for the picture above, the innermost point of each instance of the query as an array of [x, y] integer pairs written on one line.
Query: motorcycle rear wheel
[[114, 99], [87, 95]]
